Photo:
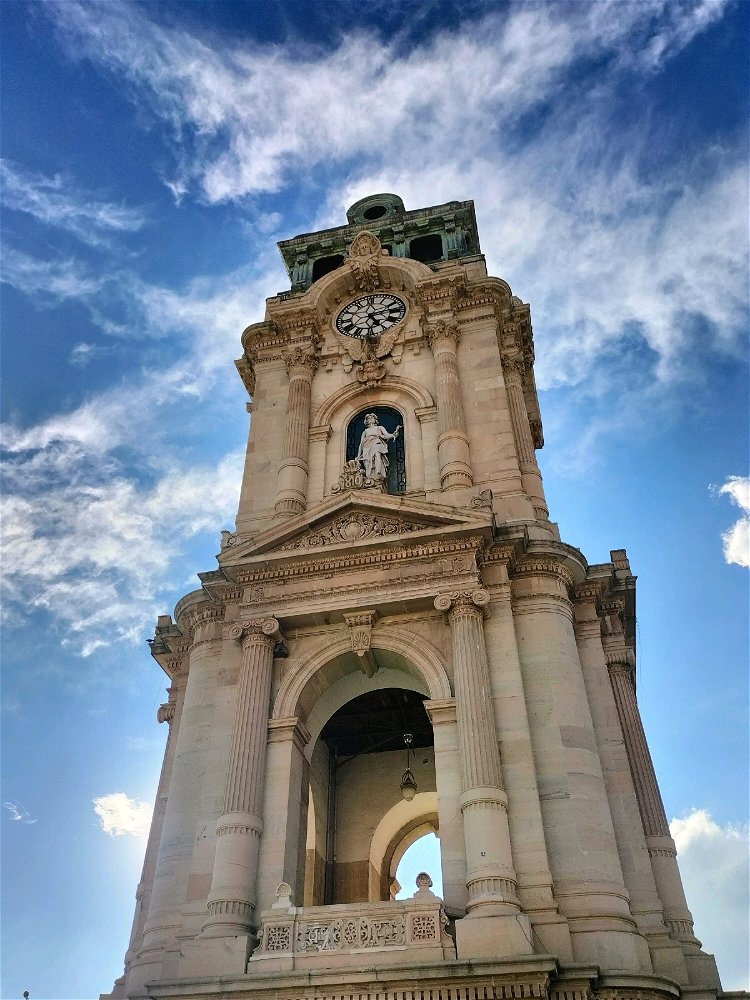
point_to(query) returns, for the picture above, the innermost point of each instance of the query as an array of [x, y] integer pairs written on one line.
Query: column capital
[[462, 602], [514, 368], [259, 630], [442, 333], [301, 362]]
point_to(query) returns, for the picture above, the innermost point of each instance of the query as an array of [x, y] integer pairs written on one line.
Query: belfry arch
[[341, 866]]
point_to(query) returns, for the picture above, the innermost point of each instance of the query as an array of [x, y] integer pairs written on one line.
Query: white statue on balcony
[[373, 447]]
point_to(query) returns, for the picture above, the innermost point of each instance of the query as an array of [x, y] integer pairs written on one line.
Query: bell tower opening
[[357, 774], [390, 419]]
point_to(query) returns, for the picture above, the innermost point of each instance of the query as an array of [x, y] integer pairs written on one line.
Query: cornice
[[346, 561]]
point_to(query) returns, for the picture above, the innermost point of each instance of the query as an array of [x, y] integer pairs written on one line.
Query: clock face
[[370, 315]]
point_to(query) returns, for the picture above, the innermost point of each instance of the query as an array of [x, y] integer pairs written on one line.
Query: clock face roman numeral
[[370, 315]]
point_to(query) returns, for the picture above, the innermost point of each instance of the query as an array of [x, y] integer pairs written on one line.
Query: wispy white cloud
[[660, 261], [94, 547], [55, 201], [121, 816], [18, 812], [714, 863], [736, 540], [51, 280]]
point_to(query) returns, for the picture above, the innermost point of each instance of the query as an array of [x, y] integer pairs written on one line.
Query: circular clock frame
[[370, 315]]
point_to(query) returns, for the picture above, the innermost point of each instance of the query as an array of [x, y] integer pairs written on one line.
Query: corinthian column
[[661, 847], [291, 494], [531, 477], [231, 902], [490, 877], [453, 442]]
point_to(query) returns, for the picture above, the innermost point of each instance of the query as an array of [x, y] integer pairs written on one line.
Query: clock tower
[[395, 641]]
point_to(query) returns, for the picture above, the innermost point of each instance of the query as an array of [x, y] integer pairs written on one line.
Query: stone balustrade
[[343, 935]]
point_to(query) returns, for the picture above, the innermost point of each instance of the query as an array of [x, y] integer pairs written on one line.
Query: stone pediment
[[352, 519]]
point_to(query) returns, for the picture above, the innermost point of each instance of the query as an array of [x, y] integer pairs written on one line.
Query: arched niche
[[408, 398], [389, 418]]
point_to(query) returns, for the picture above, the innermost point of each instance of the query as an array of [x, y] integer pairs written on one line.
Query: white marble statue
[[373, 447]]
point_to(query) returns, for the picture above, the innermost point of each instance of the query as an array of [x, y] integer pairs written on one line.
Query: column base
[[499, 936], [216, 956]]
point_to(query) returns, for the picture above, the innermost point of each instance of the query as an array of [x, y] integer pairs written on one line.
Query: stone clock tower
[[396, 640]]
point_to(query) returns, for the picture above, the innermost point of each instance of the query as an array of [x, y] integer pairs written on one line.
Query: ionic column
[[453, 442], [231, 901], [490, 876], [291, 494], [661, 847], [531, 477]]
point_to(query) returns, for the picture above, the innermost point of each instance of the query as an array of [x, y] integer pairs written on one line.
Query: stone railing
[[343, 935]]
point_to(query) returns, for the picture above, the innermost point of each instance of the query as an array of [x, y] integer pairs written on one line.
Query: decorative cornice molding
[[541, 566], [202, 614], [346, 562]]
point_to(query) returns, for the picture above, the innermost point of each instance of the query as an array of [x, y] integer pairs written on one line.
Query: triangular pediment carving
[[354, 518]]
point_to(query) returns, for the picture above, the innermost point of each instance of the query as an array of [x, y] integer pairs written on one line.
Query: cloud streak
[[18, 813], [55, 201]]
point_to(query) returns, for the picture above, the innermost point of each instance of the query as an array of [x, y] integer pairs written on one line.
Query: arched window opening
[[426, 249], [324, 265], [389, 418], [422, 856], [358, 774]]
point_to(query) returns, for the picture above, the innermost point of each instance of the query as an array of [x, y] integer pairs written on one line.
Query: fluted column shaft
[[661, 847], [291, 495], [531, 477], [231, 901], [490, 877], [453, 441]]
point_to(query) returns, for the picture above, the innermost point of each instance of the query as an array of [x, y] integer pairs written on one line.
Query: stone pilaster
[[513, 371], [159, 951], [661, 847], [453, 441], [291, 494], [170, 713], [282, 846], [581, 844], [645, 904], [490, 877], [231, 901]]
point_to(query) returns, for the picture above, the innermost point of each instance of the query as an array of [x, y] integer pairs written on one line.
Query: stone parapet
[[352, 935]]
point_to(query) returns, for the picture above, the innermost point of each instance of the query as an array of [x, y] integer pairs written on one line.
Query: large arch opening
[[359, 823]]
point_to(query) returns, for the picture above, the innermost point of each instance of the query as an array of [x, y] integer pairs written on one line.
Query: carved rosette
[[352, 528]]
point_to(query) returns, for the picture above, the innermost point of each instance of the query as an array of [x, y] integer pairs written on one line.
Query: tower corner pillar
[[494, 924]]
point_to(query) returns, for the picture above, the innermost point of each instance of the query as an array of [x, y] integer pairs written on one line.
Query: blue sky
[[152, 155]]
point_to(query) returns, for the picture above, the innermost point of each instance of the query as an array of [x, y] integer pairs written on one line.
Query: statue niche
[[370, 453]]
